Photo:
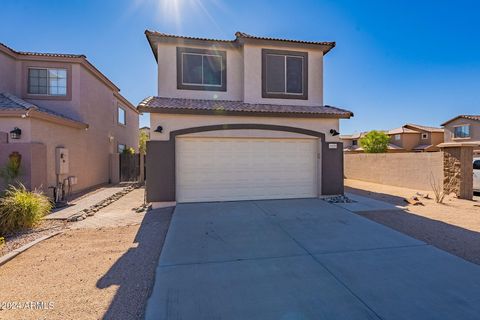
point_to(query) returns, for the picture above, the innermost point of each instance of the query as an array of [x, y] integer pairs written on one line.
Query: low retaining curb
[[9, 256]]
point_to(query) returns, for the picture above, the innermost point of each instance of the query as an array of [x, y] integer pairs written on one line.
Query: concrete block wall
[[409, 170]]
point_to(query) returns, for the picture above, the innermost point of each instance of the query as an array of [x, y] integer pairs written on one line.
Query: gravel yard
[[91, 272], [453, 226]]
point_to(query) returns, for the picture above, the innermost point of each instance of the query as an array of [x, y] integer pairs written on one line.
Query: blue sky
[[395, 61]]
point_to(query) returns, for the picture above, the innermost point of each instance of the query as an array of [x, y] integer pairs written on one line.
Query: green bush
[[375, 142], [20, 208]]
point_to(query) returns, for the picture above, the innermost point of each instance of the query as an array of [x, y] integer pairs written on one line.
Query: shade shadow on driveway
[[134, 272]]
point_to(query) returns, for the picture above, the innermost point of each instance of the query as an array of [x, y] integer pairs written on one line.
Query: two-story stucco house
[[241, 119], [416, 138], [64, 117], [463, 129]]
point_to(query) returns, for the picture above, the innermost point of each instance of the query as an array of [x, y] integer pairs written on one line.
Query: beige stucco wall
[[244, 72], [7, 124], [172, 122], [409, 170], [7, 67]]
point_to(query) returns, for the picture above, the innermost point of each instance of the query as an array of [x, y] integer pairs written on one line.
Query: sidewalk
[[84, 202]]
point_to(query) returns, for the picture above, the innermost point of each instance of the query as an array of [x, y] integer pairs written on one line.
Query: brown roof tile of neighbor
[[9, 102], [44, 54], [401, 130], [197, 106], [424, 128], [240, 35], [464, 116]]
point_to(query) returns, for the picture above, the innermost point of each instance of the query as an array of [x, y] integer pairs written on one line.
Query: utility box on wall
[[61, 161]]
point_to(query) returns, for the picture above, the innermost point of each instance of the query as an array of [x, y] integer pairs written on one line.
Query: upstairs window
[[284, 74], [121, 116], [199, 69], [354, 142], [424, 136], [461, 131], [398, 137], [47, 81]]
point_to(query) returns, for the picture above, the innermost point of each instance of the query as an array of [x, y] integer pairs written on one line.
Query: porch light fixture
[[334, 132], [159, 129], [16, 133]]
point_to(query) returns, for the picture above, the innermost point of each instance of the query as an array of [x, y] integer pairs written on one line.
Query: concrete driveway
[[303, 259]]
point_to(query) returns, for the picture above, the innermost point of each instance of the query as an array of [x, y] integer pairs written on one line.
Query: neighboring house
[[463, 129], [241, 119], [351, 143], [65, 118], [416, 138], [408, 138]]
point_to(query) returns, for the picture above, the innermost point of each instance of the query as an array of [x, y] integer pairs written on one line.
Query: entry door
[[227, 169]]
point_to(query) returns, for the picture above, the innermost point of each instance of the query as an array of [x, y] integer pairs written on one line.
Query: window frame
[[459, 126], [48, 94], [118, 147], [424, 136], [181, 51], [285, 95], [397, 137], [119, 107], [474, 163]]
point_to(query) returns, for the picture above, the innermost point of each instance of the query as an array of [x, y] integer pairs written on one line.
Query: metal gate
[[129, 167]]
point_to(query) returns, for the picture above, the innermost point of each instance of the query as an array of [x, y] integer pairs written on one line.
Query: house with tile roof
[[64, 117], [463, 129], [407, 138], [241, 119]]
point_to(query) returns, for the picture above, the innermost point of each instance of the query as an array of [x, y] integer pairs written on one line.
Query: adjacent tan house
[[463, 129], [408, 138], [64, 117], [416, 138], [241, 119]]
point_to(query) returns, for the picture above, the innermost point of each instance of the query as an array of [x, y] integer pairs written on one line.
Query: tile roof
[[195, 106], [401, 130], [241, 36], [423, 146], [424, 128], [45, 54], [464, 116], [9, 102]]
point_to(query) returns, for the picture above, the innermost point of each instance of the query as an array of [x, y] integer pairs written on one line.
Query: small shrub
[[2, 241], [375, 142], [20, 208]]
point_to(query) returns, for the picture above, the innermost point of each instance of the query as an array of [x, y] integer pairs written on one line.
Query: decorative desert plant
[[375, 142], [142, 145], [20, 208], [11, 171], [2, 241], [439, 189]]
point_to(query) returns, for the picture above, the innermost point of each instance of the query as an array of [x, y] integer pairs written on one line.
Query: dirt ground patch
[[88, 273], [453, 226]]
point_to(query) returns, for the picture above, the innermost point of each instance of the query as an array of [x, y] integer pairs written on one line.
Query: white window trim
[[424, 136], [202, 84], [397, 137], [460, 138], [118, 115], [285, 74], [48, 84]]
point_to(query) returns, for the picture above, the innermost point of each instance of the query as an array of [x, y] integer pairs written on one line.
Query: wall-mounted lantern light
[[334, 132], [16, 133], [159, 129]]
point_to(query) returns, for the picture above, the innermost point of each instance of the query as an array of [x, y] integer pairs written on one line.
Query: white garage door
[[223, 169]]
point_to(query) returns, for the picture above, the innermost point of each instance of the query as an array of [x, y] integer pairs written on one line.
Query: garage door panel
[[222, 169]]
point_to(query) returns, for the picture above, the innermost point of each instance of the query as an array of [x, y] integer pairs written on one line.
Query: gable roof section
[[423, 128], [240, 38], [222, 107], [11, 105], [401, 130], [464, 116]]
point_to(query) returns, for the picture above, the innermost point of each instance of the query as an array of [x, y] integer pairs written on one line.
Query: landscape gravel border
[[12, 254]]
